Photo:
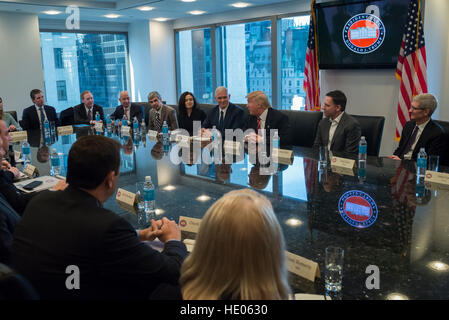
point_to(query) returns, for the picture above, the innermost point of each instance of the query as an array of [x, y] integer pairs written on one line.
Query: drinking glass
[[324, 156], [433, 163], [334, 269]]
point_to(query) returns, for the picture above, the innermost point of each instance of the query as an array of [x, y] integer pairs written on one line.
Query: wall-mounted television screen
[[360, 34]]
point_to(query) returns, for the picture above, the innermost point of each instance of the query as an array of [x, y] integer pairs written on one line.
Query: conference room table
[[404, 235]]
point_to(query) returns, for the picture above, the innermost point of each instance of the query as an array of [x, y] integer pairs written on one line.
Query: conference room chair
[[372, 128], [303, 126], [15, 287], [444, 158], [67, 117]]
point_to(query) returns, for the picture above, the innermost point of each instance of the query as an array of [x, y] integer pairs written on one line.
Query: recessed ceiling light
[[240, 4], [52, 12], [396, 296], [188, 0], [169, 188], [161, 19], [293, 222], [146, 8], [112, 16], [203, 198], [197, 12], [438, 266]]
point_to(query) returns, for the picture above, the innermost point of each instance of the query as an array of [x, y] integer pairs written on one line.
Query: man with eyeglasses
[[159, 113], [421, 131]]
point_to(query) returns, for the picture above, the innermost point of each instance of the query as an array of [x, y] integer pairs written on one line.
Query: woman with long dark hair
[[189, 112]]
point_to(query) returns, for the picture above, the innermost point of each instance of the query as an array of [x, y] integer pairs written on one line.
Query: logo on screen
[[358, 209], [364, 33]]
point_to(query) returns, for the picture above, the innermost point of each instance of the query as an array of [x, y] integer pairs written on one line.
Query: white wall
[[20, 60]]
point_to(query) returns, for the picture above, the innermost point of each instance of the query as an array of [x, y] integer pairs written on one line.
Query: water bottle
[[165, 137], [214, 133], [55, 163], [143, 129], [26, 153], [421, 164], [362, 158], [148, 196], [108, 123], [47, 134], [97, 116], [135, 125], [124, 121]]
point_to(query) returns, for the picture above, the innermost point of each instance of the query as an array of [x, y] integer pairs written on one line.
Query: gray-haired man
[[159, 113]]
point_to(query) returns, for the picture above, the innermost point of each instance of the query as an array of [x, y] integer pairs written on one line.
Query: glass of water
[[324, 156], [143, 218], [334, 269]]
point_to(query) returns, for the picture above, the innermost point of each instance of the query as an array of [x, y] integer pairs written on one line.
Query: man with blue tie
[[33, 117], [225, 115]]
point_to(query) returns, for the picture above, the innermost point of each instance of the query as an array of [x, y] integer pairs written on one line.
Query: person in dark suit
[[338, 131], [33, 117], [263, 117], [225, 115], [127, 108], [189, 112], [8, 221], [107, 252], [159, 113], [421, 131], [85, 113]]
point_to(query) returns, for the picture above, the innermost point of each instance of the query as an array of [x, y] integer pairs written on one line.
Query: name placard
[[30, 170], [189, 224], [183, 141], [190, 243], [17, 155], [98, 126], [437, 177], [233, 147], [65, 130], [283, 156], [18, 136], [343, 170], [302, 267], [152, 134], [343, 162], [125, 197], [126, 131]]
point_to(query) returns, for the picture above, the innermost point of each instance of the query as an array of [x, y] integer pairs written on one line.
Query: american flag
[[412, 64], [311, 72]]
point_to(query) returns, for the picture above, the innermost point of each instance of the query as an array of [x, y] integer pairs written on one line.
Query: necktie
[[42, 117], [258, 123], [89, 115], [410, 141], [221, 122], [157, 122]]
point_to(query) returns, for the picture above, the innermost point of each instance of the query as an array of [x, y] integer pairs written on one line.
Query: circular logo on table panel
[[182, 223], [357, 208], [364, 33], [429, 175]]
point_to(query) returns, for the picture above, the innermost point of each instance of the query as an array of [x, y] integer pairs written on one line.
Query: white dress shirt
[[421, 127], [333, 127]]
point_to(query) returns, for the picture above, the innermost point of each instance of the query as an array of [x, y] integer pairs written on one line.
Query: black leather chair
[[13, 113], [15, 287], [67, 117], [444, 158], [303, 126], [372, 128]]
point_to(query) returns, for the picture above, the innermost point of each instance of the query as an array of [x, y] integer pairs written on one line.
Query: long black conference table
[[379, 221]]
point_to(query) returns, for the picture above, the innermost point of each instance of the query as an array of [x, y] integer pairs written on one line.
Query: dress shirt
[[92, 112], [333, 127], [263, 118], [126, 112], [224, 112], [39, 113], [421, 127]]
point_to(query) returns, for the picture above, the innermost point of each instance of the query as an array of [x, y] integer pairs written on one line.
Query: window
[[85, 67], [120, 48], [243, 48], [194, 60], [61, 89], [294, 33], [58, 58]]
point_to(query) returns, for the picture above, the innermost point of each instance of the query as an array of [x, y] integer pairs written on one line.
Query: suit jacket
[[167, 114], [275, 120], [17, 200], [346, 136], [135, 111], [432, 139], [80, 114], [234, 118], [112, 261], [8, 221], [186, 122], [30, 119]]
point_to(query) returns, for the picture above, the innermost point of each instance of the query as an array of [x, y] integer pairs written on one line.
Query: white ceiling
[[127, 9]]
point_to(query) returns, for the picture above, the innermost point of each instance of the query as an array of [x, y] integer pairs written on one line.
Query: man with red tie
[[263, 117], [421, 131], [85, 112]]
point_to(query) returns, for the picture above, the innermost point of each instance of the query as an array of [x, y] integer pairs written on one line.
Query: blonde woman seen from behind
[[239, 252]]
